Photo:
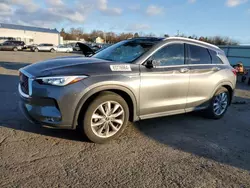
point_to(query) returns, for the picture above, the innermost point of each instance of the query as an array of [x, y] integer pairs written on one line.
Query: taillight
[[234, 71]]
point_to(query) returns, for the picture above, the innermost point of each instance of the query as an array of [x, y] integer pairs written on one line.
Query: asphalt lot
[[178, 151]]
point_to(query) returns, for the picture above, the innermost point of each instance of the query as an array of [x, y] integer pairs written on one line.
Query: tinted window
[[172, 54], [199, 55], [124, 51], [215, 58], [18, 42]]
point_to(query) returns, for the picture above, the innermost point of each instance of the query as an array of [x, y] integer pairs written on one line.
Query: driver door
[[164, 87]]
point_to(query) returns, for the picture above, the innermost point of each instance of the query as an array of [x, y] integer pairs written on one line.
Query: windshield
[[125, 51]]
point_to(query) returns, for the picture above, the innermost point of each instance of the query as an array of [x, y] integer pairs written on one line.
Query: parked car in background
[[96, 47], [64, 48], [45, 48], [74, 46], [31, 46], [132, 80], [12, 45]]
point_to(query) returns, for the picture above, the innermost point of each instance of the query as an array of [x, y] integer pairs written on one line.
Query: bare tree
[[111, 37]]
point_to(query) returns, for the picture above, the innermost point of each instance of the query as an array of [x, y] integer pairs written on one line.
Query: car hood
[[67, 66]]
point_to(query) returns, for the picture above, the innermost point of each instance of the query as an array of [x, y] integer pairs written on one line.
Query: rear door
[[41, 47], [164, 87], [47, 47], [8, 46], [204, 76]]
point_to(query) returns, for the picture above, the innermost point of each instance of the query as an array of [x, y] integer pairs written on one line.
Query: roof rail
[[192, 40]]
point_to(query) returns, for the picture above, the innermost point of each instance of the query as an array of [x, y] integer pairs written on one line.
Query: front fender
[[93, 90]]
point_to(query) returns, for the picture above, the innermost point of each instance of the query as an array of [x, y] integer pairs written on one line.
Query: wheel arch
[[228, 85], [88, 97]]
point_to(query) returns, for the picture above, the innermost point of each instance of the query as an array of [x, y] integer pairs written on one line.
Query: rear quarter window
[[215, 58]]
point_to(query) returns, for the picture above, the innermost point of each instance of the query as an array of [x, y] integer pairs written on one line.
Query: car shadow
[[13, 65], [226, 141]]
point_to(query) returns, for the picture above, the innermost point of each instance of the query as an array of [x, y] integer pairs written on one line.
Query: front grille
[[24, 83]]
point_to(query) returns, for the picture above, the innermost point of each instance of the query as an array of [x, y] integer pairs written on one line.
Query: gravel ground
[[178, 151]]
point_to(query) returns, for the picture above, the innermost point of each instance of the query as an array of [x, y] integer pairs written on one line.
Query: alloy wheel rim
[[107, 119], [220, 103]]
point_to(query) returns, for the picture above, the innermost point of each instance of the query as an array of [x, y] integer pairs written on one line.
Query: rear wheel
[[106, 117], [15, 49], [219, 104], [36, 50], [67, 51], [52, 50]]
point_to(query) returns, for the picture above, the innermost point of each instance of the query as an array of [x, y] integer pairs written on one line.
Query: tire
[[52, 50], [211, 111], [107, 131], [15, 49], [36, 50], [67, 51]]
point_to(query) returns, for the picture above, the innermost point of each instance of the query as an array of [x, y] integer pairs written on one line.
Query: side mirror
[[149, 64]]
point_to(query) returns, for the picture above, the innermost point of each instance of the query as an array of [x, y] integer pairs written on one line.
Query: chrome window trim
[[186, 65], [158, 48]]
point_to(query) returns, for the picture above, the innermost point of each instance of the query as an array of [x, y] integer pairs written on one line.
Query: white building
[[28, 34], [99, 40]]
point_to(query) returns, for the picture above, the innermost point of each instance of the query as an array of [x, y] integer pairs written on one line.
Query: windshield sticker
[[120, 67]]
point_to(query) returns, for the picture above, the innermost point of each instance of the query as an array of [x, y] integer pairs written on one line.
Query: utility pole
[[105, 38]]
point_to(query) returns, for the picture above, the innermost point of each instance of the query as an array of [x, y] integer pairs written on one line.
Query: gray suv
[[132, 80], [12, 45]]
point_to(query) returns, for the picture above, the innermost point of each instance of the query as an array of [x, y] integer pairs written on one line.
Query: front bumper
[[51, 106], [42, 111]]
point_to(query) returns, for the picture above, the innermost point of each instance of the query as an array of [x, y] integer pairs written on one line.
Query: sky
[[229, 18]]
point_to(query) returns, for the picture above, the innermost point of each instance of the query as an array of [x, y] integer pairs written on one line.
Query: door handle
[[216, 69], [184, 70]]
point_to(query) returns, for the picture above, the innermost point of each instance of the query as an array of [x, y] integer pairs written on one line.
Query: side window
[[172, 54], [215, 58], [199, 55]]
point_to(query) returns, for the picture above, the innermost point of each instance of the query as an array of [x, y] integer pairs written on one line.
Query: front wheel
[[218, 104], [15, 49], [106, 117], [52, 50]]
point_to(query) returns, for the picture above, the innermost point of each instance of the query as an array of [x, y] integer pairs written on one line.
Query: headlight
[[60, 80]]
